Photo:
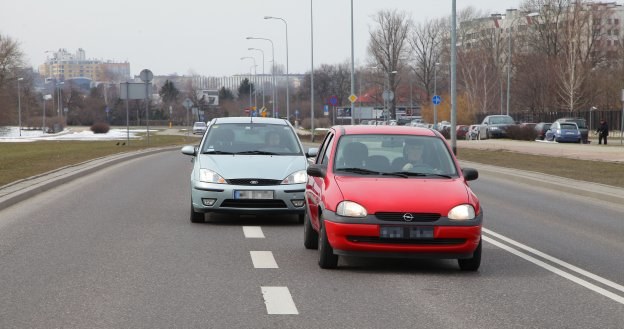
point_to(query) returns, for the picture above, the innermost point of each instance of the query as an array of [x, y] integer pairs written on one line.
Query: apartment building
[[62, 65]]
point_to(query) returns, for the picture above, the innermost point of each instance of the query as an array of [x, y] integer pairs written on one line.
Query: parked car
[[461, 131], [473, 132], [495, 126], [564, 132], [199, 127], [391, 191], [582, 126], [247, 165], [541, 128]]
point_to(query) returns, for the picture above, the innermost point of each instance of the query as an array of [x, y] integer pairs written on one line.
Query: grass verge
[[585, 170], [22, 160]]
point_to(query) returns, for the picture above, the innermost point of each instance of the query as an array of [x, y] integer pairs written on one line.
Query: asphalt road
[[115, 249]]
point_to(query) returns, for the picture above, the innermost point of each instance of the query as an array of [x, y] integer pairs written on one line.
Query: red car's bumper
[[363, 239]]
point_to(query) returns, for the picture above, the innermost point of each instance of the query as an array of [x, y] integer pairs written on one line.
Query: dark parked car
[[495, 126], [541, 129], [582, 126]]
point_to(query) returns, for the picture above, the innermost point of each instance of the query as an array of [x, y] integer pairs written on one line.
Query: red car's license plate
[[405, 232]]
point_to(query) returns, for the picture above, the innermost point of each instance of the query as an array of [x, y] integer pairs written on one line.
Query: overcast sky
[[207, 37]]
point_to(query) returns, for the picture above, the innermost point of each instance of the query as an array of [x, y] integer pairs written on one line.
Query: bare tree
[[388, 47], [427, 43]]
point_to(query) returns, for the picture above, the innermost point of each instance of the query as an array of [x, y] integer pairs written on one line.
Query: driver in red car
[[412, 152]]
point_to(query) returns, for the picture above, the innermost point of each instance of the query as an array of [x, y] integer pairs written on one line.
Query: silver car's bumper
[[226, 199]]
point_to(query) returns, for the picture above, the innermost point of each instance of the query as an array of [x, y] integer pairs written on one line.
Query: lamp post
[[388, 96], [255, 94], [287, 76], [262, 83], [273, 66], [43, 125], [312, 72], [435, 93], [19, 106]]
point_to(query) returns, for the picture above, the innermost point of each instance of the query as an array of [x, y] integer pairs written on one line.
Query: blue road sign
[[436, 100], [333, 100]]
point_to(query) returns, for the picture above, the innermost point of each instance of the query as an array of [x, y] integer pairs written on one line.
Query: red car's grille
[[407, 217], [233, 203], [254, 181], [372, 239]]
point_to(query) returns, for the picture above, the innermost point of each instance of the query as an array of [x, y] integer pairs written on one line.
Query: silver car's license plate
[[252, 194]]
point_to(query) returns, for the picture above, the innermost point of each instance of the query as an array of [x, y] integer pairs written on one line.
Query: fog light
[[298, 203], [209, 202]]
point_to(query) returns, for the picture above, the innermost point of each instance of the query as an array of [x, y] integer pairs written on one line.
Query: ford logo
[[408, 217], [253, 182]]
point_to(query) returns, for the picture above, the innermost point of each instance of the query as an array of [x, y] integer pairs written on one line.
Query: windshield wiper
[[257, 152], [359, 171], [217, 152], [420, 174]]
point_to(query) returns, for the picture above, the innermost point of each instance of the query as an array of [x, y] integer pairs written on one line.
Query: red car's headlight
[[462, 212], [350, 209]]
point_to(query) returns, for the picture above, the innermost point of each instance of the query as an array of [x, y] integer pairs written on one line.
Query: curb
[[23, 189]]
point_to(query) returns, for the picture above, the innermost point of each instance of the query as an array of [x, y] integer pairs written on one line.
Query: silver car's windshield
[[251, 139]]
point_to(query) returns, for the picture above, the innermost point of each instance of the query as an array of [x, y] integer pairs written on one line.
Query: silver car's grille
[[254, 181], [401, 217], [245, 203]]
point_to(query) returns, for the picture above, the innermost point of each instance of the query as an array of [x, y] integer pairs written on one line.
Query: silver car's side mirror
[[189, 150]]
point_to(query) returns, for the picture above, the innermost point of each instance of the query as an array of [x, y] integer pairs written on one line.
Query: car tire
[[327, 258], [487, 134], [471, 264], [197, 217], [310, 236]]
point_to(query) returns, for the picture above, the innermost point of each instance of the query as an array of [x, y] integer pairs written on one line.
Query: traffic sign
[[436, 100], [187, 103], [352, 98], [333, 100], [326, 110], [387, 95]]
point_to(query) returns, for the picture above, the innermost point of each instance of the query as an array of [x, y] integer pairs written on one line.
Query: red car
[[391, 191]]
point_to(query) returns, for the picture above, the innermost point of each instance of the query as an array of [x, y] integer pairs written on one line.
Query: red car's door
[[316, 185]]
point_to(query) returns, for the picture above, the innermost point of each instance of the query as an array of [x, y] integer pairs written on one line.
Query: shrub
[[100, 128], [521, 133]]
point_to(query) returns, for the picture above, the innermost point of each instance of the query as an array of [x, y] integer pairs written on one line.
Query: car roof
[[274, 121], [384, 129]]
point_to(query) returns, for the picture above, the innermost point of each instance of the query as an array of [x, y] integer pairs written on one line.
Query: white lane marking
[[263, 259], [557, 271], [578, 270], [278, 300], [253, 232]]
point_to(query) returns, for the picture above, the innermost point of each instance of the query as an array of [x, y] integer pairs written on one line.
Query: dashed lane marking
[[263, 259], [252, 232], [278, 300]]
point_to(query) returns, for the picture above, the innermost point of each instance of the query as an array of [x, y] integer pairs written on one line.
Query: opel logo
[[253, 182], [408, 217]]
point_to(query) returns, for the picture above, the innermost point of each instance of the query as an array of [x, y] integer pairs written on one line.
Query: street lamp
[[273, 65], [435, 93], [43, 125], [19, 106], [287, 76], [262, 82]]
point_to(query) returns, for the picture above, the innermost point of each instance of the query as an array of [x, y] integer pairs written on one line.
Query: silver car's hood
[[253, 166]]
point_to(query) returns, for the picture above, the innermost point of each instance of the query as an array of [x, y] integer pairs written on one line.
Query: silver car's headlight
[[350, 209], [209, 176], [462, 212], [298, 177]]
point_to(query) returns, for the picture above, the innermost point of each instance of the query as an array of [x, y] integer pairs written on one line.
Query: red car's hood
[[404, 195]]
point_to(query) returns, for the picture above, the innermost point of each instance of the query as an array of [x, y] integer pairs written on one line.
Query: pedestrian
[[603, 132]]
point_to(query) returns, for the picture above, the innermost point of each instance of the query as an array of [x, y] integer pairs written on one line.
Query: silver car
[[199, 127], [248, 165]]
